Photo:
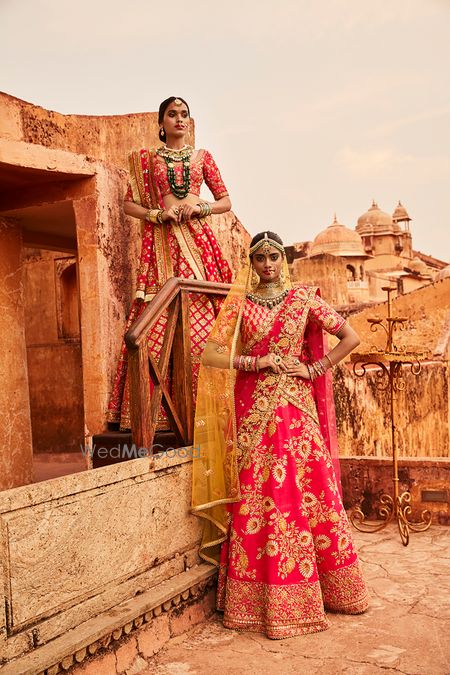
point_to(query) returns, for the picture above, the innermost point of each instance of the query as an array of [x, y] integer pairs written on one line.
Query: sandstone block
[[126, 654], [154, 636]]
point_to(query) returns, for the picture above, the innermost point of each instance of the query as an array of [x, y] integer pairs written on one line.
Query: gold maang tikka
[[265, 245]]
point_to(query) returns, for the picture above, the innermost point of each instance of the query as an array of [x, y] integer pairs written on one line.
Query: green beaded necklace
[[179, 190]]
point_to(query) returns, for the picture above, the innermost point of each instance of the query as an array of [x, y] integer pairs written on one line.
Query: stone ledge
[[402, 461], [76, 644]]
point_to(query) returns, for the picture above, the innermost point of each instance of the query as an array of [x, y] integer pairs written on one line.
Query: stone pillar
[[16, 450]]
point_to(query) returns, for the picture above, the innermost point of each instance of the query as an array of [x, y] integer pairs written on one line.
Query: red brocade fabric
[[289, 555], [200, 257], [202, 169]]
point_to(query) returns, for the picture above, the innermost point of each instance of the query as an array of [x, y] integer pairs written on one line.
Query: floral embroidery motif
[[290, 554]]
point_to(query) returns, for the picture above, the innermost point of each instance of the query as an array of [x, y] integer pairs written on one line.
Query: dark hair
[[162, 109], [271, 235]]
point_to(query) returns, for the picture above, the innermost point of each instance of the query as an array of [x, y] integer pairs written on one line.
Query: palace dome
[[400, 213], [374, 220], [338, 240]]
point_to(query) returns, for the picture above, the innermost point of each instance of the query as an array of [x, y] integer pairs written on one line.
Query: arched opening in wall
[[67, 299], [351, 273]]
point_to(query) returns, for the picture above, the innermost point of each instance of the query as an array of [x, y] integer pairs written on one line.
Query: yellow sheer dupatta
[[215, 479]]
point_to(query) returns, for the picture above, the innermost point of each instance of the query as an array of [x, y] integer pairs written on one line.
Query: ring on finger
[[277, 359]]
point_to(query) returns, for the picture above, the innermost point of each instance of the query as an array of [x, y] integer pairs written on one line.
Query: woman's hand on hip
[[272, 361], [295, 368]]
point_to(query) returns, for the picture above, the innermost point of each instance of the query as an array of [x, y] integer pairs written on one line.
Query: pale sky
[[309, 107]]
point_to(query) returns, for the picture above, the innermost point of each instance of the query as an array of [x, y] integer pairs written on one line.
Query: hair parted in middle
[[265, 236], [162, 109]]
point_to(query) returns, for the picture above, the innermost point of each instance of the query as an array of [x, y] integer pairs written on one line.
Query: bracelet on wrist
[[247, 363], [205, 209], [329, 360], [154, 216]]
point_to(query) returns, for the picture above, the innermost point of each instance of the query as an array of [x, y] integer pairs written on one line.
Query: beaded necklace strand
[[179, 190]]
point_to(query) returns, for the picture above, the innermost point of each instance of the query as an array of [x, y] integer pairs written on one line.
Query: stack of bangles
[[154, 216], [249, 363], [318, 368], [205, 209]]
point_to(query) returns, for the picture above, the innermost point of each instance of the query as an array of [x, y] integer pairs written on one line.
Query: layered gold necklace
[[170, 156]]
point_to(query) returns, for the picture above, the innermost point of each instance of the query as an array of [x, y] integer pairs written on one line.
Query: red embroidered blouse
[[204, 168]]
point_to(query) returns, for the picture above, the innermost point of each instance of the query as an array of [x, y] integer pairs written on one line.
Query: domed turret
[[374, 220], [338, 240], [400, 214]]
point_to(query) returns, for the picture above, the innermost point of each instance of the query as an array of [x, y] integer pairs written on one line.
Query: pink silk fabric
[[289, 555]]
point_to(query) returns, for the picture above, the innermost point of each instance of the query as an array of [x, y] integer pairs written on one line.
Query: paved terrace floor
[[406, 630]]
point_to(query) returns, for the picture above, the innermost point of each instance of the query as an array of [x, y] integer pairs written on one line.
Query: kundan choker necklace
[[268, 302], [270, 284], [179, 190]]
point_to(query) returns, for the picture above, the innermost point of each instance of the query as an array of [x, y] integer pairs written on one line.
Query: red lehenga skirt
[[289, 556], [201, 258]]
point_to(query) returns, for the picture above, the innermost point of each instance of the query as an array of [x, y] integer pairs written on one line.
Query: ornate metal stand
[[389, 373]]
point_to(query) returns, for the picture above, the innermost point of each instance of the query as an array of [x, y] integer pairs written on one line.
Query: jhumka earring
[[282, 277], [255, 278], [161, 132]]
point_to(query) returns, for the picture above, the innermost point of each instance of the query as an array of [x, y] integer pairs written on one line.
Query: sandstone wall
[[15, 427], [326, 271], [79, 547], [363, 414]]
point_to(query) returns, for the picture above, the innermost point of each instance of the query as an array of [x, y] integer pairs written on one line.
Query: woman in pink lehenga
[[265, 481], [177, 237]]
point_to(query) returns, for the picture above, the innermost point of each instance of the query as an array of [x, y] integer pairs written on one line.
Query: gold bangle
[[152, 216], [325, 356]]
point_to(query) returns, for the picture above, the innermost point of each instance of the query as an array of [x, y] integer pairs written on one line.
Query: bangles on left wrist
[[205, 209], [247, 363], [318, 368]]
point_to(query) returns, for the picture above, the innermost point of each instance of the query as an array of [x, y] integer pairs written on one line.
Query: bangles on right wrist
[[154, 216]]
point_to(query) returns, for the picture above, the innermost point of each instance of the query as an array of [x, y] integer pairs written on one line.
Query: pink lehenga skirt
[[289, 556]]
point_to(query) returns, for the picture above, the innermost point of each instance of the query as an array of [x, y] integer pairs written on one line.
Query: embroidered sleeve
[[324, 315], [129, 194], [212, 177]]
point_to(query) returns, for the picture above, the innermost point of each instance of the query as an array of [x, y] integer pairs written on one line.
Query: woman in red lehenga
[[264, 479], [177, 239]]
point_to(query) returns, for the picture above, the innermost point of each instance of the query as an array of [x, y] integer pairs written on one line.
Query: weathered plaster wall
[[15, 428], [422, 409], [108, 138], [365, 479], [363, 414], [54, 362], [326, 271]]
